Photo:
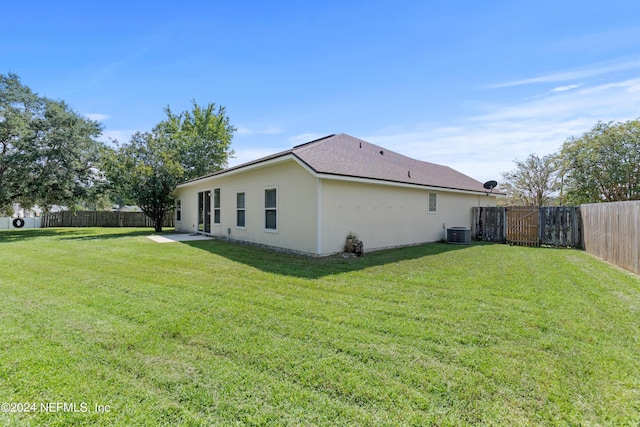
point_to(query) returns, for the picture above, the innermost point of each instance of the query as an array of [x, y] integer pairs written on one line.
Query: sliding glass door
[[204, 211]]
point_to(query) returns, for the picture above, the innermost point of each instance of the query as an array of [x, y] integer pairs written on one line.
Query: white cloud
[[486, 144], [576, 73], [120, 135], [97, 116], [565, 88], [269, 130], [610, 101]]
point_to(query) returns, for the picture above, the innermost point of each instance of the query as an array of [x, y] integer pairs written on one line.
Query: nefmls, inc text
[[53, 407]]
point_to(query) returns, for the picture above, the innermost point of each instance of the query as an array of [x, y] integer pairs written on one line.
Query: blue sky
[[469, 84]]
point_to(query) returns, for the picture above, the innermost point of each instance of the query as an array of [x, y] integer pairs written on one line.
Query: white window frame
[[266, 209], [243, 209], [214, 208], [435, 202], [178, 210]]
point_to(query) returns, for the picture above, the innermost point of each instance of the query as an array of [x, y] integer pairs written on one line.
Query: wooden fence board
[[560, 226], [101, 219], [611, 232], [488, 224]]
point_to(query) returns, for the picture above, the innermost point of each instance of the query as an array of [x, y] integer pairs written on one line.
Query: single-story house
[[307, 199]]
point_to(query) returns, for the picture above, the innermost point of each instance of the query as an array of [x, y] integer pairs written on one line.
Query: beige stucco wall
[[296, 204], [388, 216], [383, 215]]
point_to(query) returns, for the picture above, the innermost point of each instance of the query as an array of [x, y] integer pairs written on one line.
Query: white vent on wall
[[459, 235]]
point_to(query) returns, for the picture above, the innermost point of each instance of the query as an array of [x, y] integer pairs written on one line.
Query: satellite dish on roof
[[490, 185]]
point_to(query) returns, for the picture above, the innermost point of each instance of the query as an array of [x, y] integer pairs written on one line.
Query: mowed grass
[[212, 333]]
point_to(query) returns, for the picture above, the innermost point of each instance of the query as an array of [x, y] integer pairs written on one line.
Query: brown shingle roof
[[348, 156], [344, 155]]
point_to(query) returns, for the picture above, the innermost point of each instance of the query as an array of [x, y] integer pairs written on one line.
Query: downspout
[[318, 216]]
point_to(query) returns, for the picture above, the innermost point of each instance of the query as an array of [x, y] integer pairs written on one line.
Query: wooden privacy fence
[[101, 219], [489, 224], [528, 226], [523, 228], [612, 232]]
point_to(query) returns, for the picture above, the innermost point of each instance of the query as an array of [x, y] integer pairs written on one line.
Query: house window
[[178, 210], [240, 210], [433, 205], [271, 209], [216, 206]]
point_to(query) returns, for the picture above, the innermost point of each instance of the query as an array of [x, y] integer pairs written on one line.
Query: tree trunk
[[158, 222]]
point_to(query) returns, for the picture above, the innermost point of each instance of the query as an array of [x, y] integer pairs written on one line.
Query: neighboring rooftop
[[344, 155]]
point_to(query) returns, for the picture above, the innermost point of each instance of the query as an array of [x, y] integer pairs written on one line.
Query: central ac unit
[[459, 235]]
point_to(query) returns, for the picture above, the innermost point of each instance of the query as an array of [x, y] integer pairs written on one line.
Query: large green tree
[[532, 183], [202, 138], [48, 152], [146, 170], [603, 165]]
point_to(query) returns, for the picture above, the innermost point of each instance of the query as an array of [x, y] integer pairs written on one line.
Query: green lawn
[[211, 333]]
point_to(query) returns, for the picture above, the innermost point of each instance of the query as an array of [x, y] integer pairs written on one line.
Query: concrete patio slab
[[171, 238]]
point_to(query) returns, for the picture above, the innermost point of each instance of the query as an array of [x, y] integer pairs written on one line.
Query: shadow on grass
[[271, 261], [72, 233], [266, 260]]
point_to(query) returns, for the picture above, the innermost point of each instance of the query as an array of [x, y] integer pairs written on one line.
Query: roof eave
[[350, 178]]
